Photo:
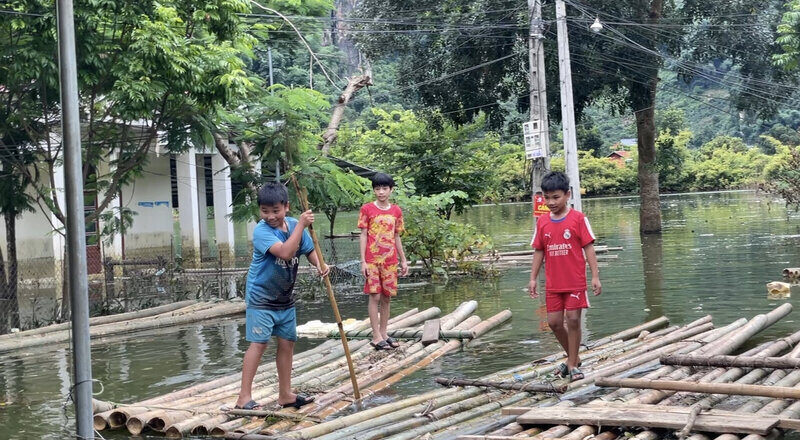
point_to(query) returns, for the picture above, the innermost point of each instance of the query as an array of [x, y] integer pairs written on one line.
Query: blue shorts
[[262, 324]]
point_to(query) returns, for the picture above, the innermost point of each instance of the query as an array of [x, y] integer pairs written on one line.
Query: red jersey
[[381, 226], [563, 241]]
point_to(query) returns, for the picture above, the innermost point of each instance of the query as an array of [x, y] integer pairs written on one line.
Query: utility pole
[[76, 226], [269, 60], [537, 88], [567, 110]]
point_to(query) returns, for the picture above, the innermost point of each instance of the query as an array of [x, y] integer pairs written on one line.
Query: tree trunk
[[354, 84], [12, 303], [650, 211]]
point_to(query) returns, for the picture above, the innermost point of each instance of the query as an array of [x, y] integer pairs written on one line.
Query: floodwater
[[716, 253]]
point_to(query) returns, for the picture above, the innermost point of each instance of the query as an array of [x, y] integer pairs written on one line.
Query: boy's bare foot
[[283, 400], [248, 404]]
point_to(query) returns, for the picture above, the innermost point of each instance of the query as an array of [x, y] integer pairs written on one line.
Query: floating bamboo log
[[708, 388], [99, 320], [528, 386], [116, 328], [731, 361], [411, 333]]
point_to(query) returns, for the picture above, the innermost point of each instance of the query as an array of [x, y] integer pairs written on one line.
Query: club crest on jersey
[[567, 234]]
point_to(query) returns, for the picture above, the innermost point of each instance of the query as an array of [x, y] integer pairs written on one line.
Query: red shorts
[[381, 279], [560, 301]]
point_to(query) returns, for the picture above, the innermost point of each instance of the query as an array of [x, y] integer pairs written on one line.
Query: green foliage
[[440, 244], [283, 126], [726, 163], [789, 37], [672, 120], [782, 175], [150, 67], [672, 158], [601, 176], [434, 154]]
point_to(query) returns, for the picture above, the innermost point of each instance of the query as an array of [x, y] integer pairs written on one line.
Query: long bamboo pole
[[301, 194], [708, 388], [731, 361]]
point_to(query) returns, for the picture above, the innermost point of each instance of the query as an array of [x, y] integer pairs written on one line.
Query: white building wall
[[150, 196]]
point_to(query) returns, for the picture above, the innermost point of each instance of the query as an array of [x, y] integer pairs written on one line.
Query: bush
[[782, 175], [601, 176], [440, 244], [726, 163]]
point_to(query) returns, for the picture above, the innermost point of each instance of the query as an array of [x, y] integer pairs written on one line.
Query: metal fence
[[122, 285]]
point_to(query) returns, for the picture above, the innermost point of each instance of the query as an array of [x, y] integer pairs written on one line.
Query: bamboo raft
[[647, 382], [204, 409]]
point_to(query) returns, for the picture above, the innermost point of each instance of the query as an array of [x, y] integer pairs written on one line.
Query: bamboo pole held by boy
[[301, 195]]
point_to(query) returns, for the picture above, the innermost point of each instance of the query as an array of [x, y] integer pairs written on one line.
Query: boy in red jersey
[[381, 224], [561, 240]]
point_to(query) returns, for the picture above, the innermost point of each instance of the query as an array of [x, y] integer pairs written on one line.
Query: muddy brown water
[[716, 254]]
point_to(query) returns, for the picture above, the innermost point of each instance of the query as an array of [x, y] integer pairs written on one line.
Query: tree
[[452, 64], [433, 153], [673, 159]]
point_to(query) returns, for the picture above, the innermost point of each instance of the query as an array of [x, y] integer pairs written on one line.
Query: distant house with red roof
[[621, 157]]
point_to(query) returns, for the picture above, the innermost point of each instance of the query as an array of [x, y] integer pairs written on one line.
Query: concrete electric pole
[[567, 110], [76, 227], [537, 88]]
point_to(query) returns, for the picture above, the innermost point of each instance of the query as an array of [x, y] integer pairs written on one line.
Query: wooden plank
[[430, 332], [789, 424], [515, 410], [620, 416], [731, 361], [702, 387]]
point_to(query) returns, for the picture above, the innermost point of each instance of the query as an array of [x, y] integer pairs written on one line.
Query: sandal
[[576, 374], [392, 342], [383, 345], [251, 405], [299, 401], [563, 371]]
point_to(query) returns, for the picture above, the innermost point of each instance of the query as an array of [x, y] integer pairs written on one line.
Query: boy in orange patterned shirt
[[381, 224]]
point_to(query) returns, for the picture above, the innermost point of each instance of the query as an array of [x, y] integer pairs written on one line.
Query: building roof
[[620, 153], [628, 142]]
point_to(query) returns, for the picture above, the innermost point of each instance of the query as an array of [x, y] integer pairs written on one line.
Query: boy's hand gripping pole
[[301, 195]]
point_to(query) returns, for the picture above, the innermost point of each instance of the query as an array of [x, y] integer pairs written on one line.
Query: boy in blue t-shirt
[[278, 242]]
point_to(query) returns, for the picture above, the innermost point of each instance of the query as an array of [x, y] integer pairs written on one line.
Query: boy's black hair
[[555, 180], [382, 179], [273, 193]]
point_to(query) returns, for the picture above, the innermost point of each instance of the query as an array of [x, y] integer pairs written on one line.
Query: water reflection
[[652, 268]]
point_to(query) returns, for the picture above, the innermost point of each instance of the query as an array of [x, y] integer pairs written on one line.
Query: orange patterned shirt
[[381, 226]]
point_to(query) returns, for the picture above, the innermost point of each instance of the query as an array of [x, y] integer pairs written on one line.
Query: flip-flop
[[251, 405], [392, 342], [576, 374], [300, 401], [383, 345]]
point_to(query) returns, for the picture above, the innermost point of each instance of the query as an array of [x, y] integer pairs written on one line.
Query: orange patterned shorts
[[382, 279]]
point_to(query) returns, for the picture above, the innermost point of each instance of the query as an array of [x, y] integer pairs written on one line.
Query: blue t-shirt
[[270, 280]]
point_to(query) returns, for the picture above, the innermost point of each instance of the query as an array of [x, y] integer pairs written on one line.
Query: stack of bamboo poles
[[180, 313], [204, 408], [644, 361], [469, 411]]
